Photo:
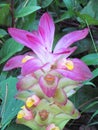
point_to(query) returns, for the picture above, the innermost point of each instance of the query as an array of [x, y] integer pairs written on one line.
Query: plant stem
[[12, 13], [91, 37]]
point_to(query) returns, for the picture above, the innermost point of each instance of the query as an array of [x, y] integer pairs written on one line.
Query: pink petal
[[28, 114], [39, 49], [30, 66], [21, 36], [49, 89], [80, 72], [28, 39], [65, 52], [69, 39], [14, 62], [46, 29]]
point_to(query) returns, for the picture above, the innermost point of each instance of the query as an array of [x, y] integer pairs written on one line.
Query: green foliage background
[[68, 15]]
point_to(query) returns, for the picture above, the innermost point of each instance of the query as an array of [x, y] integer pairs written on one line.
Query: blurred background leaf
[[10, 105], [2, 33], [70, 4], [85, 97], [4, 13], [91, 9], [26, 11], [9, 48], [91, 59], [14, 126], [45, 3]]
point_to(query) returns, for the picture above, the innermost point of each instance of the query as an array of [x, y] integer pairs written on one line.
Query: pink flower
[[25, 113], [74, 69], [49, 84], [32, 101], [41, 43]]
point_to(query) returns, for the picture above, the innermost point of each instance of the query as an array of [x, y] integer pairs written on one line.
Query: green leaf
[[90, 105], [32, 2], [2, 33], [86, 99], [10, 105], [8, 49], [69, 3], [26, 11], [4, 11], [68, 14], [89, 83], [91, 59], [90, 13], [85, 17], [83, 46], [94, 123], [95, 73], [45, 3], [3, 75], [30, 23], [95, 113], [17, 127], [91, 9]]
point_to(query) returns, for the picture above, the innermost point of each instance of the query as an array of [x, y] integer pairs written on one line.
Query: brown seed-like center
[[49, 79], [43, 114]]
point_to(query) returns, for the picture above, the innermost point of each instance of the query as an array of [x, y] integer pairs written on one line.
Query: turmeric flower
[[44, 57], [48, 76]]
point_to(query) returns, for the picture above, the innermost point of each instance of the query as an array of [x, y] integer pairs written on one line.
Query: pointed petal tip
[[10, 30], [89, 76], [86, 31], [70, 38], [14, 62], [5, 69], [8, 67], [46, 14], [46, 24]]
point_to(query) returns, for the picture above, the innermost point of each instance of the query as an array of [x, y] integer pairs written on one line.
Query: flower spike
[[48, 76]]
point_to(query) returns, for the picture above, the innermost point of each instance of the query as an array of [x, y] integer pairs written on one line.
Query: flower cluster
[[48, 77]]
